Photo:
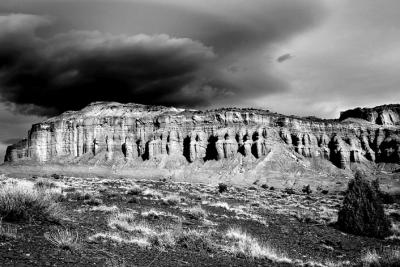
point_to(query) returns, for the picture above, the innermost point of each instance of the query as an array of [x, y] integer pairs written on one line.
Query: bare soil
[[298, 225]]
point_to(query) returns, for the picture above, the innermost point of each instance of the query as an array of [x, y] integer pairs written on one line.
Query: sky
[[300, 57]]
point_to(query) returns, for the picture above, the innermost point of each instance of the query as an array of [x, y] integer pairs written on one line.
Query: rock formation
[[382, 115], [106, 131]]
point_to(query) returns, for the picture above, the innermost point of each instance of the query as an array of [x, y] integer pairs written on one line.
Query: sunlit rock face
[[140, 133]]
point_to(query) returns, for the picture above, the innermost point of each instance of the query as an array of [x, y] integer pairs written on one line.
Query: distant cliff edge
[[107, 131]]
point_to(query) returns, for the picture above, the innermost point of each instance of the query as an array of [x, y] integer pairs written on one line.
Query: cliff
[[382, 115], [113, 132]]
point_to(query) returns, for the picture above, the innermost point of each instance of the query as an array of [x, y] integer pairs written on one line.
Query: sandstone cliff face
[[382, 115], [105, 131]]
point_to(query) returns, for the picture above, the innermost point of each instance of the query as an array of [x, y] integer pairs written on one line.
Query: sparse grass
[[306, 216], [220, 205], [20, 201], [63, 238], [370, 257], [241, 243], [171, 199], [119, 238], [197, 213], [80, 195], [43, 183], [152, 214], [8, 231], [126, 221], [196, 240], [135, 190], [389, 257], [105, 208], [152, 193], [93, 201], [128, 216], [136, 231]]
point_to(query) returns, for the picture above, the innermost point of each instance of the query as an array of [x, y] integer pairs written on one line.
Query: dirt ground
[[296, 225]]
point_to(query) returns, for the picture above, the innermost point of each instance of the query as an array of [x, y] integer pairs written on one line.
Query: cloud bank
[[70, 70], [221, 58]]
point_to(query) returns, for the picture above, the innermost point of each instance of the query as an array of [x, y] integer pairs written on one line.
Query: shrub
[[362, 212], [151, 193], [289, 191], [196, 213], [45, 184], [307, 189], [195, 241], [264, 186], [57, 176], [21, 202], [63, 238], [222, 188], [93, 201], [135, 190], [172, 199], [79, 195]]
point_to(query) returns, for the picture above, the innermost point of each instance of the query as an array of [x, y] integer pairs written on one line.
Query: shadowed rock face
[[382, 115], [139, 132]]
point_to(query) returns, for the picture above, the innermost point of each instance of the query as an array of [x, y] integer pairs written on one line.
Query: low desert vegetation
[[196, 213], [105, 208], [148, 192], [222, 187], [182, 217], [135, 190], [43, 183], [63, 238], [8, 231], [20, 201], [385, 258], [80, 195], [153, 214], [172, 199], [244, 244]]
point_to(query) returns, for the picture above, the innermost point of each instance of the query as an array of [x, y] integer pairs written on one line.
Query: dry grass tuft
[[172, 199], [43, 183], [105, 208], [243, 244], [63, 238], [152, 193], [119, 238], [8, 231], [387, 257], [20, 201], [135, 190], [196, 213]]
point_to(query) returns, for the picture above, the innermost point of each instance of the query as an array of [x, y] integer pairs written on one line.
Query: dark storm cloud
[[47, 68], [70, 70]]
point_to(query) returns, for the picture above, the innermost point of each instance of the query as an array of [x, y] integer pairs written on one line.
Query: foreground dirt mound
[[362, 212]]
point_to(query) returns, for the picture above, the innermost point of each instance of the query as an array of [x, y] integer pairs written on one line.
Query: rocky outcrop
[[108, 131], [382, 115]]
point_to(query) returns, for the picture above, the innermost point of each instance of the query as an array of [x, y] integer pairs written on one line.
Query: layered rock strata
[[140, 133], [382, 115]]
